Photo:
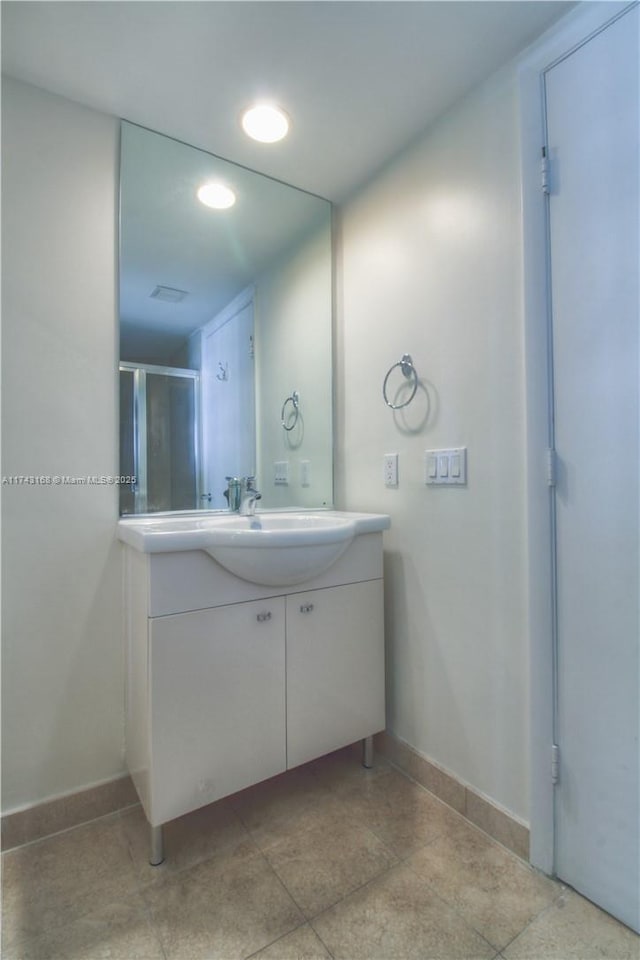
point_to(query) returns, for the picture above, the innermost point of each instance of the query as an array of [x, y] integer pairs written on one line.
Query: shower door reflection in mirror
[[159, 438], [224, 314]]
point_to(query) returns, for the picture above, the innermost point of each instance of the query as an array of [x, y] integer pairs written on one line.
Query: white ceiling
[[360, 80]]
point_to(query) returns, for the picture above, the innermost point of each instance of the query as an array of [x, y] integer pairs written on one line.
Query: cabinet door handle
[[261, 617], [306, 607]]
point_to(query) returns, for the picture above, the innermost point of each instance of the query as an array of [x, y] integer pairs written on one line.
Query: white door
[[592, 141], [228, 402], [217, 704]]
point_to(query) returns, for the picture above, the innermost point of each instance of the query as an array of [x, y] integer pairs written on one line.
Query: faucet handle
[[249, 496]]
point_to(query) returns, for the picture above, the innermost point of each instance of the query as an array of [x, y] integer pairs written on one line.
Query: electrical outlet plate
[[446, 466], [390, 469]]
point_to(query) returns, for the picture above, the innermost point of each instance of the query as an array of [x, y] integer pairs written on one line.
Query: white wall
[[62, 673], [431, 265]]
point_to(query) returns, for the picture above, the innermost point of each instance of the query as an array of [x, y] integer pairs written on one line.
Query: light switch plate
[[281, 472], [446, 466]]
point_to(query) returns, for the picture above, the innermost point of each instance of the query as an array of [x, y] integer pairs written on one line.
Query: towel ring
[[408, 370], [295, 400]]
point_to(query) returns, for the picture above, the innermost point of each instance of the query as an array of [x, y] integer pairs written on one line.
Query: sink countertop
[[194, 531]]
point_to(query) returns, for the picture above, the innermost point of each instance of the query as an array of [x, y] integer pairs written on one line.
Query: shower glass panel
[[158, 438]]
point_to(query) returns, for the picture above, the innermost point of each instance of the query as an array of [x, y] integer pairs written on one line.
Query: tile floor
[[330, 860]]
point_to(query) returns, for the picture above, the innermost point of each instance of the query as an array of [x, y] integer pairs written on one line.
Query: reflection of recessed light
[[216, 195], [265, 123]]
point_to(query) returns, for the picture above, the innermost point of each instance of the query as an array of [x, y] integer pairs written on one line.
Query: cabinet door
[[217, 703], [335, 668]]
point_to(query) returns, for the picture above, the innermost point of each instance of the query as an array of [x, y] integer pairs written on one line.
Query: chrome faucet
[[232, 493], [248, 497]]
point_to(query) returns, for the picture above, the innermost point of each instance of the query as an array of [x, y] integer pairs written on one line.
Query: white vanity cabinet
[[230, 682]]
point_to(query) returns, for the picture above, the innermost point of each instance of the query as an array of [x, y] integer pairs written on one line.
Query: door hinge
[[544, 171], [552, 467], [555, 763]]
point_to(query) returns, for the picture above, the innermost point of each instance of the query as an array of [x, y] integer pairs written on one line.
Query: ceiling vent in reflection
[[168, 294]]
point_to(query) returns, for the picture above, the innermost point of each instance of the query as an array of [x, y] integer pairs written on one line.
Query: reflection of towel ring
[[408, 370], [295, 400]]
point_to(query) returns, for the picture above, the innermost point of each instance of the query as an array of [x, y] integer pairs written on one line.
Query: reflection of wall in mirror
[[293, 352], [228, 397]]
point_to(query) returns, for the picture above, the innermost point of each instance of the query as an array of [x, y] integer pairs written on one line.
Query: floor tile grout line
[[546, 909], [257, 854], [291, 897], [152, 923], [284, 886], [431, 890], [271, 943], [325, 945], [469, 921], [341, 898], [361, 886], [308, 919], [288, 934], [331, 906]]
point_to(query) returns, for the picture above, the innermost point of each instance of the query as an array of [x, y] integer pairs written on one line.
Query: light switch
[[432, 466], [443, 464], [454, 464]]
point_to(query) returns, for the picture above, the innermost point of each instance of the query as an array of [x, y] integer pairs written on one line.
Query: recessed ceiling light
[[265, 122], [216, 195]]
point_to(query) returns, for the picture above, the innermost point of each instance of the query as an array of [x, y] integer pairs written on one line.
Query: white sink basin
[[272, 549], [279, 549]]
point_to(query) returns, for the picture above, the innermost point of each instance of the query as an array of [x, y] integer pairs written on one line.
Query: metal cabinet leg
[[367, 752], [156, 847]]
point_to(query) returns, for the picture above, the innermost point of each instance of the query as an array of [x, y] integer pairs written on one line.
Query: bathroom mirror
[[225, 317]]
